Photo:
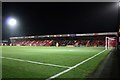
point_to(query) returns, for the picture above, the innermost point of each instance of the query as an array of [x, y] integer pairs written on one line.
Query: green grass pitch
[[64, 56]]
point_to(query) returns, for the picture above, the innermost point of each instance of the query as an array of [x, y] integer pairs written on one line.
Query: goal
[[110, 42]]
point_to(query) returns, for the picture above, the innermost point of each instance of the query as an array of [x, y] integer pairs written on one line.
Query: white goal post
[[110, 42]]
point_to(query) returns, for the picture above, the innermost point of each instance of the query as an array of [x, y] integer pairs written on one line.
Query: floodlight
[[12, 22]]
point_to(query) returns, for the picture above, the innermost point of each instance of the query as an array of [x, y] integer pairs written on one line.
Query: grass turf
[[66, 56]]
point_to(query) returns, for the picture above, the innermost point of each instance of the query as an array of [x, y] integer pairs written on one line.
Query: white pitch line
[[34, 62], [52, 77]]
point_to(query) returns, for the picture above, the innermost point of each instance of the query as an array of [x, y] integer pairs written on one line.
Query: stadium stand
[[89, 39], [33, 43], [61, 42]]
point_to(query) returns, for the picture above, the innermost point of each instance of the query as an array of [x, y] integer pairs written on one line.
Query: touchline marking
[[34, 62], [52, 77]]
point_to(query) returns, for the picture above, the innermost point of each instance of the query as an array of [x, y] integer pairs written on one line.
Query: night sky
[[45, 18]]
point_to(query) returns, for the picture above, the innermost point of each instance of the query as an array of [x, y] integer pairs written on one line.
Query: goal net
[[110, 42]]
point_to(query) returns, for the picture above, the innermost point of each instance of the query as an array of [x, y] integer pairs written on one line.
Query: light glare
[[12, 22]]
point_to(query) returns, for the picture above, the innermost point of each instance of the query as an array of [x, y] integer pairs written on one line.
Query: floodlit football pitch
[[50, 62]]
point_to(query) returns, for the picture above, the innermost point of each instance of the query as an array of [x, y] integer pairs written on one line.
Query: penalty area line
[[34, 62], [56, 75]]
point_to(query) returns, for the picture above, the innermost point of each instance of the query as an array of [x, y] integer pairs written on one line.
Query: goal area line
[[64, 71], [34, 62]]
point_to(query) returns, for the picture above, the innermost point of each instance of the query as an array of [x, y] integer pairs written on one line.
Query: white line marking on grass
[[52, 77], [34, 62]]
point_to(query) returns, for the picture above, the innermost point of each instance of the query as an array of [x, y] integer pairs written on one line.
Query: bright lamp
[[12, 22]]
